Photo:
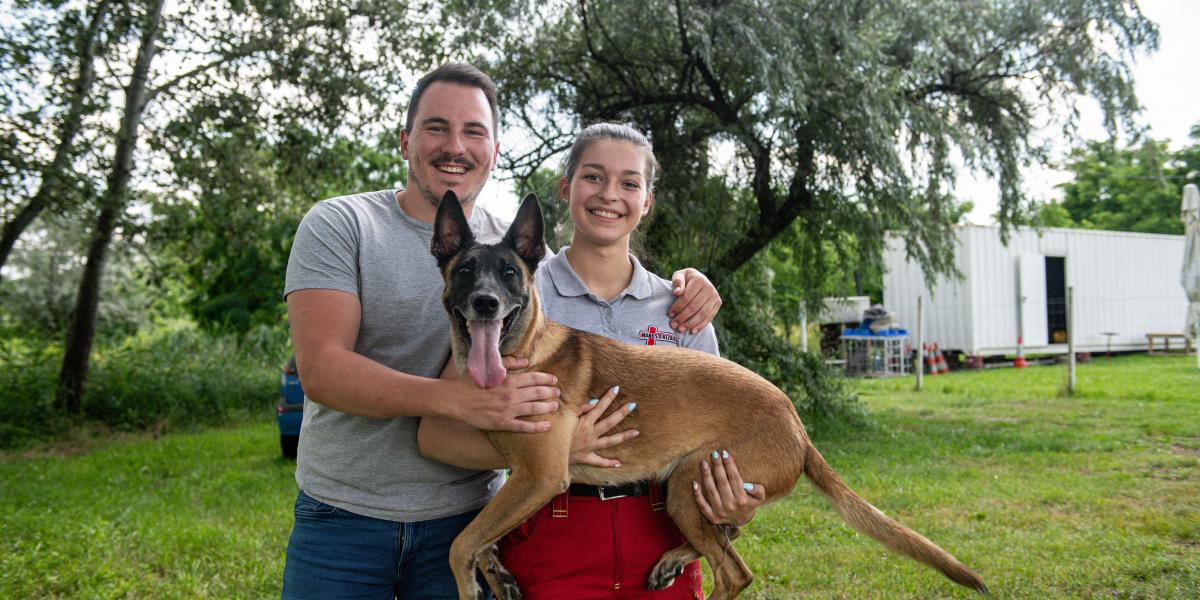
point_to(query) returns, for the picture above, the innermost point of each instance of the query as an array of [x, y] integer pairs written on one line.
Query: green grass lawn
[[1045, 496]]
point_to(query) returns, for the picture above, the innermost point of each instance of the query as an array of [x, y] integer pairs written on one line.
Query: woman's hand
[[591, 429], [722, 495]]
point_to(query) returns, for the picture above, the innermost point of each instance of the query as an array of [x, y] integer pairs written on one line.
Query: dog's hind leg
[[714, 542], [671, 565]]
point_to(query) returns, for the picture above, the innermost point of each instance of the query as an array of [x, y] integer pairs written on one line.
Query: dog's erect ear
[[525, 235], [451, 232]]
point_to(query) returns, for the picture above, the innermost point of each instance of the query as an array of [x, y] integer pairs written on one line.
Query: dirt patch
[[1174, 473], [1184, 450]]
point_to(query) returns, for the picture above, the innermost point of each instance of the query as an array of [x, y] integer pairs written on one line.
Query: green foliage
[[851, 129], [1125, 189], [167, 377], [229, 227], [748, 335], [37, 297]]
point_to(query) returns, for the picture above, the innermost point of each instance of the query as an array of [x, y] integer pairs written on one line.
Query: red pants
[[584, 548]]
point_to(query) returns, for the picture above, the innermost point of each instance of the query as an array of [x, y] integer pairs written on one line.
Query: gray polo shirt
[[638, 315]]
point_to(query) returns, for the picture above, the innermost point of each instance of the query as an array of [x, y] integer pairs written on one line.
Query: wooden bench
[[1166, 343]]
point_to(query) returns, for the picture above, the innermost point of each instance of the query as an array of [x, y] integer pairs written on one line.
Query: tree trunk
[[83, 323], [71, 124]]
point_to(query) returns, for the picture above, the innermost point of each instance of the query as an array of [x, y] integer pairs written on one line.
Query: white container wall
[[1125, 283]]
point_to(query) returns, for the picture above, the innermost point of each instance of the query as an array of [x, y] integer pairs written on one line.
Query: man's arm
[[697, 301], [456, 443], [324, 326]]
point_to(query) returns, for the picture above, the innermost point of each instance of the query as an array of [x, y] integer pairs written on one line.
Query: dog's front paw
[[508, 587], [664, 575]]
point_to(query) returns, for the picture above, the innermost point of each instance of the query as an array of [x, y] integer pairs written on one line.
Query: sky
[[1168, 87]]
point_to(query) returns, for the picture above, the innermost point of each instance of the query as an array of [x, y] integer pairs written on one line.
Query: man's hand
[[500, 408], [697, 301], [591, 429], [723, 497]]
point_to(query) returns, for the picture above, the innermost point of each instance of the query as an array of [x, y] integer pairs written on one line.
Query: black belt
[[610, 492]]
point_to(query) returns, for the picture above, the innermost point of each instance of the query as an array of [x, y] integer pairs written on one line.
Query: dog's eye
[[509, 271], [466, 269]]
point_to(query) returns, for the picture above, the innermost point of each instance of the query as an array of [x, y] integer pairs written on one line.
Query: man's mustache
[[456, 160]]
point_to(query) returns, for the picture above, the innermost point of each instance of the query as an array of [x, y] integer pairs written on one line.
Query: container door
[[1031, 299]]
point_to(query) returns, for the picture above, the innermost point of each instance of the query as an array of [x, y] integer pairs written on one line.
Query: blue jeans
[[334, 553]]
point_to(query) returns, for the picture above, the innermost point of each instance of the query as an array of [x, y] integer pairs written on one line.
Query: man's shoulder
[[488, 225], [660, 289], [364, 201]]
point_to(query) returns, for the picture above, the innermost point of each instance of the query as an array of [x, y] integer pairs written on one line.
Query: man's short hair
[[460, 73]]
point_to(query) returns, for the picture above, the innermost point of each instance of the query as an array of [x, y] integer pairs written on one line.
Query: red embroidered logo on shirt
[[652, 334]]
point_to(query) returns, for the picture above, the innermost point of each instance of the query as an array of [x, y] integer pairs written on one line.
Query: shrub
[[171, 376]]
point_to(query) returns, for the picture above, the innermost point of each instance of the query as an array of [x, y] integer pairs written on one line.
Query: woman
[[586, 544]]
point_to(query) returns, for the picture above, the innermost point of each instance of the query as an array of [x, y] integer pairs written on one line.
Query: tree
[[306, 59], [839, 117], [83, 323], [75, 44], [1125, 189], [231, 244], [806, 122]]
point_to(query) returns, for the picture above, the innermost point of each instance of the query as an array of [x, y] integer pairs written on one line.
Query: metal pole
[[803, 328], [920, 366], [1070, 341]]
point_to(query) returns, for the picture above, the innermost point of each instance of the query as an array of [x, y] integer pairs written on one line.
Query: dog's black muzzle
[[486, 305]]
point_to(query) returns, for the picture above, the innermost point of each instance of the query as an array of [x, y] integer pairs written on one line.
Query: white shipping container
[[1124, 283]]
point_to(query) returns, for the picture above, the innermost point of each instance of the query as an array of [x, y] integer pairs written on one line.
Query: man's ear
[[526, 234], [451, 232]]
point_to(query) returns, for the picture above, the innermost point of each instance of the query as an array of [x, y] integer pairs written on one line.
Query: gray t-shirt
[[637, 315], [367, 246]]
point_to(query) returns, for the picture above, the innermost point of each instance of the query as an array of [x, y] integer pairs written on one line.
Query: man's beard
[[433, 198]]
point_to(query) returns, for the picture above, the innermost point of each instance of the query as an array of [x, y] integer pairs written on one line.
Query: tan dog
[[689, 403]]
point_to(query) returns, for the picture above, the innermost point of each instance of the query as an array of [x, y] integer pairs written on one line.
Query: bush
[[169, 377], [748, 337]]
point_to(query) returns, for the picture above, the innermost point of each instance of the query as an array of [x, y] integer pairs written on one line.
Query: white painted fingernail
[[725, 454], [695, 486], [616, 390]]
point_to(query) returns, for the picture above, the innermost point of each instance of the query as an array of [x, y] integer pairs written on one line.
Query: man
[[373, 518]]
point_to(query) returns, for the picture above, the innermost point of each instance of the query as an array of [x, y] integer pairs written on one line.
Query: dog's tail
[[868, 520]]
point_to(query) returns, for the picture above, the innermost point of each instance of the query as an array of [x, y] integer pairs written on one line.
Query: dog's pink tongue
[[484, 363]]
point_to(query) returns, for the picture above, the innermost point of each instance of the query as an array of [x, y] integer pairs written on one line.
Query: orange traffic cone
[[930, 360], [942, 367], [1019, 361]]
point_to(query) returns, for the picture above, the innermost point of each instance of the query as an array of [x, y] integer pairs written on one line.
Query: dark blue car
[[290, 410]]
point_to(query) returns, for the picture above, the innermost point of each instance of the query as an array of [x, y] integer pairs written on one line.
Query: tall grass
[[166, 377]]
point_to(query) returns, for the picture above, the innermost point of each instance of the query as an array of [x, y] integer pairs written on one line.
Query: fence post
[[920, 366], [803, 329], [1070, 341]]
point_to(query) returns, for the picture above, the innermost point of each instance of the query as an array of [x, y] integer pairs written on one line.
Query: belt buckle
[[606, 497]]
